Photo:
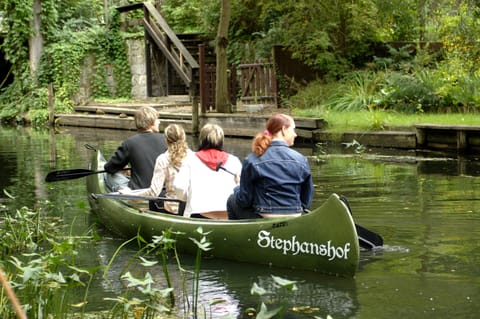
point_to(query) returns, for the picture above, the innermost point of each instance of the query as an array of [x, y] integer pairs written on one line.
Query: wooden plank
[[96, 121], [168, 54], [173, 37], [396, 139], [447, 127]]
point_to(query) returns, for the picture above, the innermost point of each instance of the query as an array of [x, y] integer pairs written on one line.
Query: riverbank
[[446, 132]]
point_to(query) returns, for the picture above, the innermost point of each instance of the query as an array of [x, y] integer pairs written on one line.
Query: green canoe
[[324, 240]]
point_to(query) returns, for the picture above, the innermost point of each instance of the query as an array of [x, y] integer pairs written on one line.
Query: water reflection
[[426, 208]]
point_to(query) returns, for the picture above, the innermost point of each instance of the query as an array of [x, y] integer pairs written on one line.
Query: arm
[[119, 159], [158, 178], [159, 175], [245, 191], [307, 191]]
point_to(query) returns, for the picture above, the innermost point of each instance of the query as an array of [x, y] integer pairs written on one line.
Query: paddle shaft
[[226, 170], [75, 173], [367, 238], [117, 195], [220, 166]]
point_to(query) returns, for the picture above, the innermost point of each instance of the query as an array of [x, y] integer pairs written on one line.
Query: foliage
[[335, 38], [356, 92], [41, 264], [281, 289], [44, 274], [152, 301], [72, 31], [408, 93], [16, 21], [192, 16]]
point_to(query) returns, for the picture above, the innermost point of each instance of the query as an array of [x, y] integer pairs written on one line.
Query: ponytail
[[274, 124]]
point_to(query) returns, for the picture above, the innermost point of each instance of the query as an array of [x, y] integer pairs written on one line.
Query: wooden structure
[[120, 116], [159, 36], [208, 82], [258, 83], [459, 138], [194, 67]]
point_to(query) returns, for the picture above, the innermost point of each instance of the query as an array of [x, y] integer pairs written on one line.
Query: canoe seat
[[220, 215]]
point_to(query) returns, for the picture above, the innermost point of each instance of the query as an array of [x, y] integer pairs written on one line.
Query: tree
[[36, 39], [221, 86]]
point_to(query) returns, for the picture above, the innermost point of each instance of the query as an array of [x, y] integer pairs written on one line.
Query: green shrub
[[409, 93], [358, 91]]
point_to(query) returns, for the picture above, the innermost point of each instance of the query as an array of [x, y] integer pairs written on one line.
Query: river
[[426, 207]]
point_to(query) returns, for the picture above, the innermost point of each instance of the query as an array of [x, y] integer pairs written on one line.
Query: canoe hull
[[324, 240]]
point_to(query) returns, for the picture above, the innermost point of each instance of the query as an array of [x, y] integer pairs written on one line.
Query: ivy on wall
[[67, 44]]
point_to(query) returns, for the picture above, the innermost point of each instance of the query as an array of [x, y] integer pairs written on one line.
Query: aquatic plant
[[278, 295], [40, 264], [148, 301]]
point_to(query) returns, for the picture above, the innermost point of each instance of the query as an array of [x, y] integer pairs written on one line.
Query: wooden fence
[[258, 83]]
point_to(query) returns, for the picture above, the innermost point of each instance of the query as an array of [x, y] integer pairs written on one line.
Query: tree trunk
[[36, 40], [221, 88]]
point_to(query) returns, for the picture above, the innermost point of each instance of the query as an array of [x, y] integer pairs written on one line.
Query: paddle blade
[[67, 174], [367, 238]]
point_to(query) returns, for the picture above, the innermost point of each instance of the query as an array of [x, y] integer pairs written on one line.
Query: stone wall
[[136, 59]]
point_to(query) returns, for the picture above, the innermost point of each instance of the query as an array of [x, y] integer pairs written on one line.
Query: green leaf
[[257, 290], [285, 283], [267, 314], [147, 263]]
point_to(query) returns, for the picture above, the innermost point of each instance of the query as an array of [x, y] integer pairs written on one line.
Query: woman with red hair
[[275, 179]]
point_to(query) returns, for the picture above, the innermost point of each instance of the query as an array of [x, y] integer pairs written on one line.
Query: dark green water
[[426, 208]]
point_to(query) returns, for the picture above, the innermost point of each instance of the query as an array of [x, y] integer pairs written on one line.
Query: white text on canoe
[[294, 247]]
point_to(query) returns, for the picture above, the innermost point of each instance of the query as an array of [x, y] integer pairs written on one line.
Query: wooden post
[[461, 141], [421, 137], [201, 62], [51, 105], [194, 97], [148, 56]]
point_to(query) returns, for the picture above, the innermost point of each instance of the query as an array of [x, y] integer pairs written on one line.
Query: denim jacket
[[279, 181]]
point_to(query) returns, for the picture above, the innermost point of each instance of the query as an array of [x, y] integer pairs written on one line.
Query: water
[[425, 206]]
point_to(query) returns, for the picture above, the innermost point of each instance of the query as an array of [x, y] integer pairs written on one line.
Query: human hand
[[125, 190], [236, 178]]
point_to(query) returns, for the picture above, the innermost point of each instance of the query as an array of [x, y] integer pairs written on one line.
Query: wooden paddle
[[67, 174], [117, 195], [366, 238], [219, 167]]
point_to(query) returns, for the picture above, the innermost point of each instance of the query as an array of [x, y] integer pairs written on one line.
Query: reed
[[39, 263]]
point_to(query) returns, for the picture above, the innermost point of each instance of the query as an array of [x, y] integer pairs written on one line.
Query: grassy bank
[[380, 120]]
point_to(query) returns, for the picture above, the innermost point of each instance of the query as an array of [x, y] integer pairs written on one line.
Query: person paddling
[[167, 166], [140, 151], [275, 179]]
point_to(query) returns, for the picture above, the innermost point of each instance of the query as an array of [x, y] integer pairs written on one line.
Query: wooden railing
[[168, 42], [157, 29]]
